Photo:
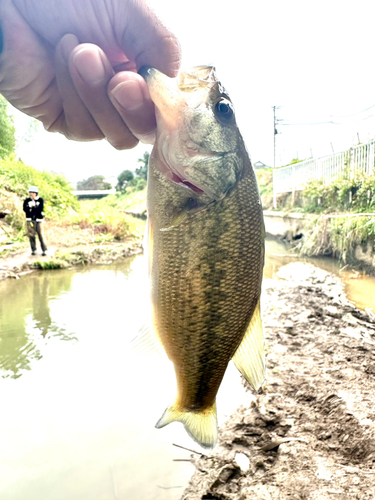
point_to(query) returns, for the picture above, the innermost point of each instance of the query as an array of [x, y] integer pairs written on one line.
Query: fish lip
[[145, 72]]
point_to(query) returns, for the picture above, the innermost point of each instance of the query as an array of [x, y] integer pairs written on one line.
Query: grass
[[134, 202], [68, 221], [96, 254], [50, 264], [265, 184], [337, 237], [108, 219]]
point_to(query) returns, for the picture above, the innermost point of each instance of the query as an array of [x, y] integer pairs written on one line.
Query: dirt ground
[[311, 432], [83, 243]]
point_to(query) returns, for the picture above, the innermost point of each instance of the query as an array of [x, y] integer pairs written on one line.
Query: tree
[[142, 170], [95, 182], [7, 130], [124, 179]]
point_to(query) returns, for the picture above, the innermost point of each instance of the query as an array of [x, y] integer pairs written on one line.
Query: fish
[[205, 245]]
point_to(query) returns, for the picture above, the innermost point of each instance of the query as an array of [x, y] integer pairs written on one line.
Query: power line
[[328, 122], [358, 112], [334, 119]]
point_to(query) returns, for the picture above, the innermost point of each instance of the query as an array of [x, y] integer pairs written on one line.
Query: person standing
[[33, 208]]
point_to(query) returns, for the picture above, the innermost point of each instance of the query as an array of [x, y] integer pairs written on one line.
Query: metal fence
[[359, 159]]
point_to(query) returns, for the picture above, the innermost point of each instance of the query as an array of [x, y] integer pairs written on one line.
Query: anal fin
[[147, 340], [250, 357]]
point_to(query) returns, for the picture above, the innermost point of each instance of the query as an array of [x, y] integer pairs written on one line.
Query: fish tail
[[201, 426]]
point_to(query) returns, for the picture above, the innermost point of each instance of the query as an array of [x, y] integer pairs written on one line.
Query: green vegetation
[[124, 178], [15, 177], [107, 217], [7, 138], [82, 229], [265, 184], [131, 201], [352, 195], [128, 182], [142, 170], [50, 264], [70, 222], [95, 182], [336, 236], [99, 254]]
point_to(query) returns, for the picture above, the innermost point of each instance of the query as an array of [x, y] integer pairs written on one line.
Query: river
[[79, 405]]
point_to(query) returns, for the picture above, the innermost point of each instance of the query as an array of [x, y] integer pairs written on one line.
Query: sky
[[313, 60]]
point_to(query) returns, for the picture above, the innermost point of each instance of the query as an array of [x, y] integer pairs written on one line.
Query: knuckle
[[121, 143], [83, 133]]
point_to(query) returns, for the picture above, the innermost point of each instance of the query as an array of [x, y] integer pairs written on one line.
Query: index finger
[[146, 40]]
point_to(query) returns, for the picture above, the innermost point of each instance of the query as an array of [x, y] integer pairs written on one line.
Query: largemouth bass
[[205, 245]]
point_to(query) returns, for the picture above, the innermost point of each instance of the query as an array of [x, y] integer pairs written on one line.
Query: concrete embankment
[[294, 226], [288, 226]]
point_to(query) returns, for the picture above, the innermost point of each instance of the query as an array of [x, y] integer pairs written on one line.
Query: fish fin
[[250, 357], [177, 220], [201, 426], [148, 244], [147, 340]]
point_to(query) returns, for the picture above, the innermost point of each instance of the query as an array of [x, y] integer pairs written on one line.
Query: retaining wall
[[293, 225]]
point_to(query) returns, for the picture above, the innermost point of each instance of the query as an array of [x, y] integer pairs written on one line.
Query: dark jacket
[[34, 213]]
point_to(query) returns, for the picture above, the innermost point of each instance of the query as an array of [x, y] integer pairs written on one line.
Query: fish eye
[[224, 110]]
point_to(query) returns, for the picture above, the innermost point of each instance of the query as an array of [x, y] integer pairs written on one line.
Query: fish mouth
[[177, 177], [178, 163], [167, 99]]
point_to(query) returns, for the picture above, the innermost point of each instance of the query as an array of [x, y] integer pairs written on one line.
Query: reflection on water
[[359, 289], [25, 320], [77, 419]]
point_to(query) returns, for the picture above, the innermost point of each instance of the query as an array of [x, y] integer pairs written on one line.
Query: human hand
[[73, 65]]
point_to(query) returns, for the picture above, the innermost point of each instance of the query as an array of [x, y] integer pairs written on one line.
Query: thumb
[[146, 41]]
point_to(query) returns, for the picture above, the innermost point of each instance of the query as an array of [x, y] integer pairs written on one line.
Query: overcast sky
[[314, 60]]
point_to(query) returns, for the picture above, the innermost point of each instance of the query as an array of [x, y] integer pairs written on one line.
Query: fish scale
[[205, 273]]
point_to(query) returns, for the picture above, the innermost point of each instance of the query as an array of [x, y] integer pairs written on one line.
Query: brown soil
[[311, 432], [82, 242]]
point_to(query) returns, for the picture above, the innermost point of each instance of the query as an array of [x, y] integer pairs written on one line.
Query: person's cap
[[33, 189]]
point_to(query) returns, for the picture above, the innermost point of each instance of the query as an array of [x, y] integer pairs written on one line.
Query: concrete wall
[[292, 226], [288, 226], [365, 254]]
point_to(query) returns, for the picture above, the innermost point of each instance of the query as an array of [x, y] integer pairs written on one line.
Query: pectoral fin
[[250, 357]]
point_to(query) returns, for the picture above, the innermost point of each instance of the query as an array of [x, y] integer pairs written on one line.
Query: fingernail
[[128, 95], [89, 65]]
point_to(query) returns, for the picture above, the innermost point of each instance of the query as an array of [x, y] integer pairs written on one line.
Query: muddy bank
[[311, 432], [346, 237], [22, 262]]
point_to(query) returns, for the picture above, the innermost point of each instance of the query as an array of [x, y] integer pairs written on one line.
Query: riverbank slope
[[95, 232]]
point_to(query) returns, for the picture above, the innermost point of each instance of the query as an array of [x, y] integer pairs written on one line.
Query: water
[[359, 289], [78, 407]]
